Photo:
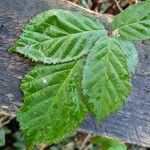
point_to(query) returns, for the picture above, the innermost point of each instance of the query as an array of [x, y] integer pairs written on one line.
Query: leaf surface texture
[[106, 80], [53, 103], [131, 54]]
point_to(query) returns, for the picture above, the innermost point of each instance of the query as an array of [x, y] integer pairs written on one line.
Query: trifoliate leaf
[[58, 36], [106, 80], [131, 54], [109, 144], [134, 22], [53, 104]]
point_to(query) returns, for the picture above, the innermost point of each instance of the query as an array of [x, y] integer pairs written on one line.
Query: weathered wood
[[131, 124]]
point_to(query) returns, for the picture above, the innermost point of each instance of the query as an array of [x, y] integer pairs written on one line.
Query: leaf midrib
[[65, 36]]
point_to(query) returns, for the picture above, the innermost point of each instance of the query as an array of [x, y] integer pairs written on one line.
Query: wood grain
[[131, 124]]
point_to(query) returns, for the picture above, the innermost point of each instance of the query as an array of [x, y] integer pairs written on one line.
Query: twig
[[85, 141], [119, 7], [75, 1], [88, 147], [4, 120]]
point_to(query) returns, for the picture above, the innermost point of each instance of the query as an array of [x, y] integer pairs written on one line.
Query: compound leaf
[[134, 22], [58, 36], [53, 104], [106, 80]]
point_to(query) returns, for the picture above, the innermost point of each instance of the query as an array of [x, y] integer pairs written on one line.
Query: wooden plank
[[131, 124]]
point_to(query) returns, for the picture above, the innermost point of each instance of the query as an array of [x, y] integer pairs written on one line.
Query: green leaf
[[131, 54], [2, 136], [109, 144], [106, 80], [134, 22], [118, 147], [53, 104], [59, 36]]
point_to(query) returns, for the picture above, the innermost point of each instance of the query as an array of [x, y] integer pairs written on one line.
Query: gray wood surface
[[131, 123]]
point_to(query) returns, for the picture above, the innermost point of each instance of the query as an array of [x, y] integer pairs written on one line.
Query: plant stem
[[85, 141], [119, 7]]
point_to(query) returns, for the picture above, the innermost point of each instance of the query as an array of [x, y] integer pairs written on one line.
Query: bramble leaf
[[106, 80], [134, 22], [109, 144], [53, 104], [59, 36]]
